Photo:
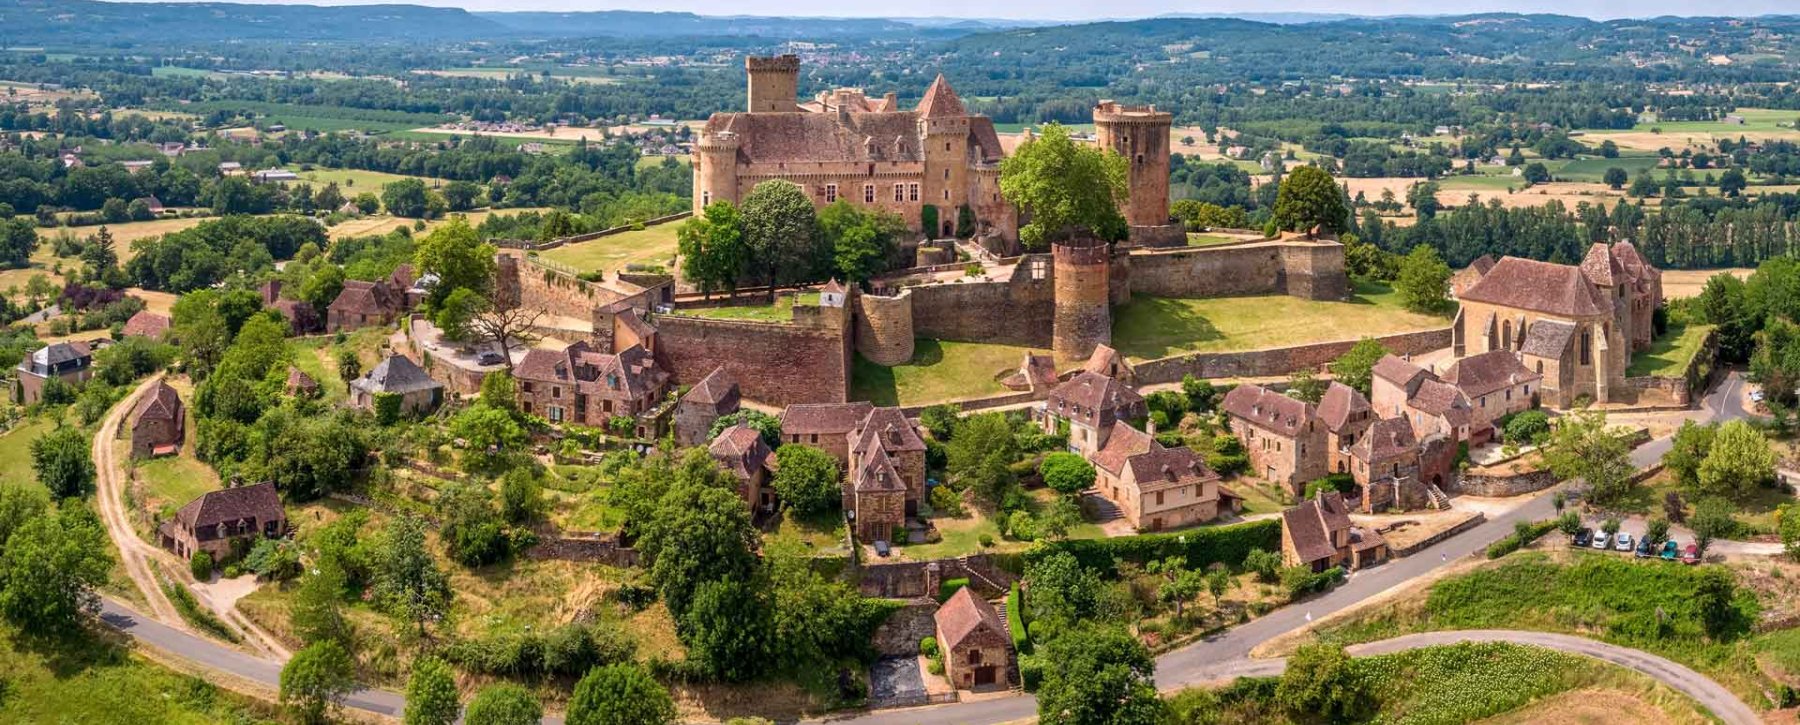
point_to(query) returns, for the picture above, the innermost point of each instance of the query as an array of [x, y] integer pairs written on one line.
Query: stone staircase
[[1439, 500], [1101, 507], [1013, 681]]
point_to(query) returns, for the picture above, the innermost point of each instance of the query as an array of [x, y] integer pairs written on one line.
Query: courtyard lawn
[[174, 480], [1155, 327], [651, 245], [939, 371], [1670, 354], [782, 310]]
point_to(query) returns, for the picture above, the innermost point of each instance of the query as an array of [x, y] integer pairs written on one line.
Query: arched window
[[1506, 335]]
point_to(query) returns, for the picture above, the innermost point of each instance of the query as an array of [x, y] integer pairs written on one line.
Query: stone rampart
[[884, 328], [774, 364], [1277, 361], [1017, 311], [1505, 484]]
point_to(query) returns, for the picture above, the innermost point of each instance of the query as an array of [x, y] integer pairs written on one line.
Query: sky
[[1112, 9]]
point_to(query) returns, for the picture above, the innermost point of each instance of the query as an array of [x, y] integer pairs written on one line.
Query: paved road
[[1220, 657]]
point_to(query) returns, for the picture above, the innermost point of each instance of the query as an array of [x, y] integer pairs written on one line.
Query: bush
[[928, 647], [566, 651], [1229, 545], [1015, 620], [1265, 564], [387, 408], [1300, 580], [1526, 427], [948, 587], [1031, 672], [945, 502], [201, 565], [1521, 537]]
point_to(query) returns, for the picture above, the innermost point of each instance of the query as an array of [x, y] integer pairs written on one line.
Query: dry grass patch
[[1679, 283]]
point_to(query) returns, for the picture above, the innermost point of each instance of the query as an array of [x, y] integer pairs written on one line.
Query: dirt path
[[110, 480]]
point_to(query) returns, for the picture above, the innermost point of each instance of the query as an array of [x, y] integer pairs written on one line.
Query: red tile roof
[[1340, 405], [1388, 438], [1488, 372], [1122, 442], [146, 324], [966, 615], [1166, 467], [1556, 289], [940, 101]]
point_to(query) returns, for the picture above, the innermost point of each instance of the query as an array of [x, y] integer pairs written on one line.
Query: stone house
[[1282, 436], [1400, 389], [582, 385], [714, 397], [145, 324], [973, 641], [886, 479], [1164, 488], [71, 362], [1089, 404], [1385, 465], [1497, 383], [1318, 534], [378, 303], [741, 451], [825, 426], [1107, 361], [211, 522], [158, 422], [398, 375], [1346, 415]]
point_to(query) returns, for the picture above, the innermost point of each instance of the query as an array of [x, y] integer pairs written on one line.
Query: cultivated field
[[1679, 283], [124, 234], [577, 75], [359, 180], [1759, 124]]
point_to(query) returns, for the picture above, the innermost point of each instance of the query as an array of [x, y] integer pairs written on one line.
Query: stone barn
[[974, 642], [157, 423], [212, 521]]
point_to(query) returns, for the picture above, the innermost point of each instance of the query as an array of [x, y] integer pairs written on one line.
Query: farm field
[[1679, 283], [124, 234], [651, 245], [1155, 327], [565, 136], [359, 180], [1759, 123], [319, 118], [382, 223], [598, 76], [939, 371]]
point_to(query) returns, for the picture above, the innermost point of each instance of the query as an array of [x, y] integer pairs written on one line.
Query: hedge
[[1512, 542], [1200, 547], [947, 588], [1015, 621]]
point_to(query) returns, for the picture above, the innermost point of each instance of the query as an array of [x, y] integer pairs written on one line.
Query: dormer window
[[612, 381]]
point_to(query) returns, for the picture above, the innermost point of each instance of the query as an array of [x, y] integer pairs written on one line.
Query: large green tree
[[727, 629], [1581, 446], [806, 479], [1322, 679], [455, 253], [50, 567], [1424, 281], [1738, 463], [504, 704], [1098, 675], [1065, 188], [1688, 450], [315, 680], [712, 247], [862, 240], [1310, 198], [408, 582], [780, 228], [431, 697], [621, 694], [1355, 367], [1066, 473], [62, 462], [698, 531]]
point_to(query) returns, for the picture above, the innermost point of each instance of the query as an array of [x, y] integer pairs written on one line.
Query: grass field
[[1759, 124], [781, 311], [1594, 169], [124, 234], [1155, 327], [651, 162], [174, 481], [652, 245], [433, 135], [15, 452], [359, 180], [1679, 283], [578, 75], [300, 117], [100, 680], [939, 371], [1670, 354], [176, 71], [1208, 240]]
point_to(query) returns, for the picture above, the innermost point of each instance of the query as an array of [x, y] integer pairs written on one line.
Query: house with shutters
[[1089, 404], [582, 385], [70, 362], [1283, 436], [213, 521], [1319, 535]]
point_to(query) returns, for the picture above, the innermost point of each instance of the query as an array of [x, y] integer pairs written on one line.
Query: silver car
[[1623, 542], [1602, 540]]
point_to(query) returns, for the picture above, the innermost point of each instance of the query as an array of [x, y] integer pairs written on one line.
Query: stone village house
[[581, 385], [1282, 436], [397, 375], [211, 522], [1318, 534], [974, 642], [740, 450], [158, 422], [882, 452], [714, 397]]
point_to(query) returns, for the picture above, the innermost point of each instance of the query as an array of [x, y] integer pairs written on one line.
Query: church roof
[[1556, 289]]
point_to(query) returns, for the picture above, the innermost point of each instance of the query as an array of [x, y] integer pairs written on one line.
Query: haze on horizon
[[1069, 10]]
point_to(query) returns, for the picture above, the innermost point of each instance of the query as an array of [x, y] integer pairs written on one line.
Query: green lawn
[[1208, 240], [782, 310], [176, 480], [939, 371], [651, 245], [962, 536], [1155, 327], [1757, 512], [15, 452], [97, 680], [1594, 169], [354, 181], [1670, 354]]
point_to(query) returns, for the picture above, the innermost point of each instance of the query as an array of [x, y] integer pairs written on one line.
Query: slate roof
[[299, 381], [161, 403], [1387, 438], [146, 324], [396, 374], [824, 418], [1556, 289], [1488, 372], [1280, 414], [1601, 267], [1091, 397], [1339, 406], [875, 471], [889, 429], [259, 501], [964, 615], [1548, 338]]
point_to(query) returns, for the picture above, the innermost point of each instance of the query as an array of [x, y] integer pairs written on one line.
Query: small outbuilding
[[157, 423], [400, 376], [974, 642]]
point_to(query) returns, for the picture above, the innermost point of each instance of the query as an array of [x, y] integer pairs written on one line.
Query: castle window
[[1037, 269], [899, 192], [830, 193], [946, 195], [912, 191], [705, 199], [946, 145], [868, 193], [946, 172]]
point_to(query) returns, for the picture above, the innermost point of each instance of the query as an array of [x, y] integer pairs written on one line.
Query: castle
[[926, 164]]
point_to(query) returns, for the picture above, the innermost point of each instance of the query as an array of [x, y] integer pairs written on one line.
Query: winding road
[[1221, 657]]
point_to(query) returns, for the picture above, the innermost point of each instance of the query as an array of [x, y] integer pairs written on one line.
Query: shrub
[[1526, 427], [1265, 564], [928, 647], [387, 408], [1200, 547], [948, 587], [1521, 537], [566, 651], [945, 502], [1031, 672], [1300, 580], [1015, 620], [201, 565]]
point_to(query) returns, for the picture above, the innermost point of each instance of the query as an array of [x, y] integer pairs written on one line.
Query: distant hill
[[634, 24], [33, 22]]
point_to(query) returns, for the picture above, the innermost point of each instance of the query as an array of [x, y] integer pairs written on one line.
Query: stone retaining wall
[[899, 634], [915, 579], [1474, 521], [1498, 485], [599, 550], [1278, 361]]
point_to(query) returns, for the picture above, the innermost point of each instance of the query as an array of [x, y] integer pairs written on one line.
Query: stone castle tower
[[1082, 293], [774, 83], [1141, 135], [715, 167], [944, 128]]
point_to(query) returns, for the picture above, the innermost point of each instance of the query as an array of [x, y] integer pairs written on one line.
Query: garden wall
[[915, 579], [1278, 361], [1499, 485], [601, 550], [899, 634], [774, 364]]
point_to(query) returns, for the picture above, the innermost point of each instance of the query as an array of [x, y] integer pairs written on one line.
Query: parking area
[[1630, 540]]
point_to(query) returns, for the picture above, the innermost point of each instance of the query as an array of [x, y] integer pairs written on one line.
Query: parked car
[[1671, 550], [1602, 540], [1756, 396], [1584, 537], [1690, 555], [1623, 542], [881, 548], [489, 357], [1645, 549]]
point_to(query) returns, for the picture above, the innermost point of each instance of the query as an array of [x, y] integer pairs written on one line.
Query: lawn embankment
[[653, 245], [1670, 354], [98, 679], [939, 371], [1155, 327]]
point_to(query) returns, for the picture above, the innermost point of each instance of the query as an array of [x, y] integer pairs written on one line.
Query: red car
[[1690, 555]]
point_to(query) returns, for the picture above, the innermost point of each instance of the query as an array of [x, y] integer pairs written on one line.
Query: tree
[[726, 629], [1302, 385], [506, 330], [471, 529], [521, 498], [1740, 461], [712, 248], [1642, 187], [861, 240], [406, 198], [317, 612], [457, 256], [460, 195], [1097, 674], [1537, 173], [620, 694], [1423, 198], [1581, 446], [1616, 178], [1657, 532], [1424, 281], [1063, 591], [1310, 198], [50, 567], [1732, 182], [1692, 442], [1715, 598], [62, 462], [19, 504], [1355, 367], [1264, 563], [1064, 188], [698, 531], [349, 366], [316, 679], [1067, 473], [780, 225], [981, 454], [504, 704], [1321, 678], [807, 479], [457, 313], [322, 287], [408, 582], [1789, 529], [431, 697], [1711, 520]]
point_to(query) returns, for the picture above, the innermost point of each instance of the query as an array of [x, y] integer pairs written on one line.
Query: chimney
[[1150, 427], [890, 101]]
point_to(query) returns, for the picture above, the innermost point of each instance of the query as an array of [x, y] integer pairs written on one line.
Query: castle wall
[[774, 83], [1017, 311], [521, 283], [1209, 271], [884, 328], [774, 364], [1278, 361], [1316, 271]]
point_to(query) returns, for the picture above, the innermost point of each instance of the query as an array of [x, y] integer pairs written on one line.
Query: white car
[[1756, 396], [1623, 542], [1601, 540]]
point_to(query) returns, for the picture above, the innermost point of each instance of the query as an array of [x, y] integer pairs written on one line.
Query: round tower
[[715, 169], [774, 83], [1083, 317], [884, 328], [1141, 135]]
